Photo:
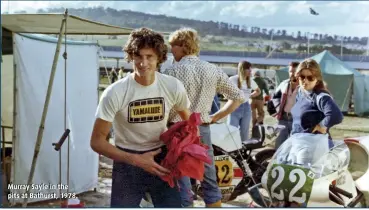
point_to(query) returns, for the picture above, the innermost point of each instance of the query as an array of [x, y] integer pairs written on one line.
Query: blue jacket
[[312, 108]]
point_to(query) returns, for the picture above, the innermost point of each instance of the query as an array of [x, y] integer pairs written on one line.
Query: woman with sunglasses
[[241, 117], [313, 97]]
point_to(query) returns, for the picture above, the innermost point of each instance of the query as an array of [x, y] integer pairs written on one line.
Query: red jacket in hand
[[186, 154]]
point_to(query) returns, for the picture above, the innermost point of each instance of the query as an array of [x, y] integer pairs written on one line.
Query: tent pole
[[347, 93], [14, 131], [44, 113], [104, 58], [65, 103]]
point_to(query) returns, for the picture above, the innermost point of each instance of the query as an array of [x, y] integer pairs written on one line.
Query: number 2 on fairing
[[292, 178], [224, 171]]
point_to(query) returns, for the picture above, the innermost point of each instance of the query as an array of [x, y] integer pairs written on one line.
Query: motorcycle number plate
[[289, 183], [224, 170]]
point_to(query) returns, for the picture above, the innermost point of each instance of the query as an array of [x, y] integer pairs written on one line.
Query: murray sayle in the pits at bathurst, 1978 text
[[37, 191]]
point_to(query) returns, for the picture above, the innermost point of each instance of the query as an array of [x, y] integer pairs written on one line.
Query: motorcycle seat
[[252, 143]]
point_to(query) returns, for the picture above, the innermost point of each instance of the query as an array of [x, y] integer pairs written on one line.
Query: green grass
[[120, 42], [104, 80]]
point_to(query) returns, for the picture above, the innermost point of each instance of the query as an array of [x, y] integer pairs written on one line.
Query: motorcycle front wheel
[[258, 167]]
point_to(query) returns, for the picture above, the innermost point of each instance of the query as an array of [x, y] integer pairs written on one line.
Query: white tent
[[33, 60], [26, 69]]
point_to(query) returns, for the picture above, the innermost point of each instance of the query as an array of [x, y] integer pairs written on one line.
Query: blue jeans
[[129, 184], [209, 185], [241, 118], [284, 133]]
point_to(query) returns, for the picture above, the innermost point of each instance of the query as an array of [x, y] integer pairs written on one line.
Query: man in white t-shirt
[[138, 107]]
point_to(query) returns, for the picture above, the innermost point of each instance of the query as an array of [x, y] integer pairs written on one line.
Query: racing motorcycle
[[335, 177], [238, 164]]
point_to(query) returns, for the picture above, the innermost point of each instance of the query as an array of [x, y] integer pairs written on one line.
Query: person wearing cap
[[257, 102], [281, 103]]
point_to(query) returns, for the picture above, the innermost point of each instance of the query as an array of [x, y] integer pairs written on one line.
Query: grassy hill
[[218, 36]]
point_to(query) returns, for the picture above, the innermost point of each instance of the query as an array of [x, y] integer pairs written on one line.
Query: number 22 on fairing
[[289, 183]]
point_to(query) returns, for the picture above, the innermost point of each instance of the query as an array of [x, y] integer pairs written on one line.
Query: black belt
[[169, 124]]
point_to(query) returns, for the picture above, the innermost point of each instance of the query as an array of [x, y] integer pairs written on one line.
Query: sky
[[343, 18]]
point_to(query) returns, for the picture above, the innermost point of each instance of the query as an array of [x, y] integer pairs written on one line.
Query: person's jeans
[[284, 133], [129, 184], [209, 185], [241, 118]]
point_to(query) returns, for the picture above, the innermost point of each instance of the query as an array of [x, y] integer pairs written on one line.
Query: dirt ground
[[350, 127]]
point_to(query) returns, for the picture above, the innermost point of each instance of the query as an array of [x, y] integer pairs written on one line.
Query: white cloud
[[342, 18], [249, 9]]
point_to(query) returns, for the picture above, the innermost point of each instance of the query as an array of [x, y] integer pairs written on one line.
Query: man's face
[[177, 52], [291, 72], [146, 62]]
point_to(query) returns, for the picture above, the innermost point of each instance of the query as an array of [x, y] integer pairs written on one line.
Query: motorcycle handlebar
[[338, 190]]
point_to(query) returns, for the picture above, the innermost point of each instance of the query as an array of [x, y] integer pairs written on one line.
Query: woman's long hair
[[242, 66], [314, 68]]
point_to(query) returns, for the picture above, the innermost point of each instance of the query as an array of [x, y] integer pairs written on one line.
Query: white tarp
[[7, 96], [34, 59]]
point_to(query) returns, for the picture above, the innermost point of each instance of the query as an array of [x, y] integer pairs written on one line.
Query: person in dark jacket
[[257, 102], [312, 94], [282, 101]]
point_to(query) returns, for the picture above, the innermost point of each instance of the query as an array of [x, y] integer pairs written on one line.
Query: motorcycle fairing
[[226, 137], [289, 183], [359, 163], [224, 170]]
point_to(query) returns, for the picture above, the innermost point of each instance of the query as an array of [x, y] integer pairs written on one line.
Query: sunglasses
[[309, 78]]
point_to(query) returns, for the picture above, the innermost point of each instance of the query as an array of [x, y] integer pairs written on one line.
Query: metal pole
[[341, 47], [44, 113], [367, 51], [65, 104], [271, 42], [308, 47], [14, 133]]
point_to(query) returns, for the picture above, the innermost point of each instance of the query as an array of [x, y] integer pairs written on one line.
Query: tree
[[267, 48], [299, 35], [286, 45], [284, 33]]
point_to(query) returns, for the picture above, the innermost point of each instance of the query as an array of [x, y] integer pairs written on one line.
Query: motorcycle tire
[[259, 199], [262, 158]]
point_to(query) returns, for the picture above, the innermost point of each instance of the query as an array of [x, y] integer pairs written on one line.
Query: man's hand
[[214, 118], [320, 129], [146, 162]]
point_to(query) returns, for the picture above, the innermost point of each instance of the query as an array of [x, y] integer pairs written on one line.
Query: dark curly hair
[[145, 38]]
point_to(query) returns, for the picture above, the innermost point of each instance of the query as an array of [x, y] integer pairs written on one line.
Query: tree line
[[132, 19]]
